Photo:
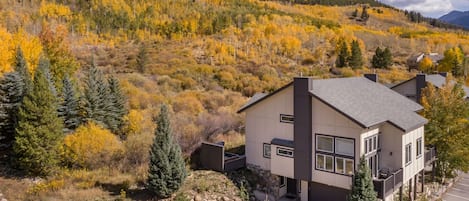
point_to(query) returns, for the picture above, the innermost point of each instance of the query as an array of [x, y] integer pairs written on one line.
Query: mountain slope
[[457, 17]]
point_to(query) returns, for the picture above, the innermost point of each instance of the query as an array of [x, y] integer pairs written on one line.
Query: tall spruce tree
[[342, 58], [387, 57], [21, 67], [166, 169], [69, 107], [382, 58], [39, 128], [95, 105], [362, 184], [116, 109], [11, 96], [355, 59]]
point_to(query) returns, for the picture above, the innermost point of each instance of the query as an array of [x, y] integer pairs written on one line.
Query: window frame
[[283, 181], [419, 147], [408, 154], [344, 165], [372, 144], [263, 150], [333, 155], [286, 150], [322, 150], [290, 121], [332, 170]]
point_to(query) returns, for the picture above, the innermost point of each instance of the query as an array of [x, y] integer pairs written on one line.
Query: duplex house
[[307, 138], [413, 87], [414, 61]]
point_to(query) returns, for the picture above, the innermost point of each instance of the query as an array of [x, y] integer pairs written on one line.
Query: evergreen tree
[[365, 16], [356, 59], [166, 169], [342, 58], [11, 96], [95, 105], [142, 58], [69, 107], [387, 57], [116, 110], [21, 67], [355, 13], [382, 58], [39, 128], [362, 184]]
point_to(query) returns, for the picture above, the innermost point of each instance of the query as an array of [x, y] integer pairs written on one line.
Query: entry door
[[291, 186], [373, 164]]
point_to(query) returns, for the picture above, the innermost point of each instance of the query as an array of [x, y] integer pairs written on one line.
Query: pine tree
[[356, 59], [387, 58], [69, 107], [142, 59], [11, 96], [378, 59], [365, 16], [95, 104], [341, 60], [116, 110], [166, 169], [39, 128], [362, 184], [21, 67]]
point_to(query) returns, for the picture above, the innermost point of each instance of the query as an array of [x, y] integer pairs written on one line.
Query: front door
[[291, 187]]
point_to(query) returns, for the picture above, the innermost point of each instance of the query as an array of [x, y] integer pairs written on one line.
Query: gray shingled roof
[[438, 81], [365, 102], [368, 103]]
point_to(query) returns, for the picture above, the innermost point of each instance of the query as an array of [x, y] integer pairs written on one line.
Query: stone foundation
[[268, 182]]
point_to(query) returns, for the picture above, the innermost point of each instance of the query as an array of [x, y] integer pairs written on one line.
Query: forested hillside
[[203, 58]]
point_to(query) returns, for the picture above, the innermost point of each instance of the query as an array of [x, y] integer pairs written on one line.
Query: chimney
[[302, 127], [420, 83], [372, 76], [444, 74]]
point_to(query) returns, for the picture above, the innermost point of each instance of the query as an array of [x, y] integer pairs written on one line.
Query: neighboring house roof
[[365, 102], [436, 80]]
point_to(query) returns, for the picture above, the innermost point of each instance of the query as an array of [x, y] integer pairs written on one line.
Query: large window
[[408, 153], [285, 118], [324, 162], [344, 166], [284, 152], [419, 147], [325, 143], [335, 154], [266, 150], [371, 144]]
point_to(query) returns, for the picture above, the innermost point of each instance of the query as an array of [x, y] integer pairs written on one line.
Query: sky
[[430, 8]]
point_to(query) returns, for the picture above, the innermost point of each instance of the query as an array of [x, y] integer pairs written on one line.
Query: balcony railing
[[388, 182], [430, 155]]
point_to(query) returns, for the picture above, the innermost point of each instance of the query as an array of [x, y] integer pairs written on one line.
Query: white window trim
[[348, 140], [284, 179], [285, 149], [263, 150], [325, 166], [288, 116], [408, 154], [324, 136], [419, 150], [344, 165]]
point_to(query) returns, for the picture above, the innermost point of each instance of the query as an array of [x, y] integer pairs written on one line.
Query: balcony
[[430, 155], [388, 182]]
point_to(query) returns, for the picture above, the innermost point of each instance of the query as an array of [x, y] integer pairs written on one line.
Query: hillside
[[203, 58], [457, 17]]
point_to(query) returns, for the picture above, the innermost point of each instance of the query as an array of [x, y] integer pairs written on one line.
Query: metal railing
[[388, 183], [430, 155]]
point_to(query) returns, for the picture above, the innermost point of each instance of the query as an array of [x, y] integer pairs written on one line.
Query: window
[[324, 162], [371, 144], [266, 152], [344, 146], [282, 181], [344, 166], [408, 153], [285, 118], [325, 143], [419, 147], [284, 152], [335, 154]]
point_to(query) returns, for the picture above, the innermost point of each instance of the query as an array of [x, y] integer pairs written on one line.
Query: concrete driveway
[[459, 191]]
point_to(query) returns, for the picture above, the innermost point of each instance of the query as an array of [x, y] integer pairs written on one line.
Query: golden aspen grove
[[202, 58]]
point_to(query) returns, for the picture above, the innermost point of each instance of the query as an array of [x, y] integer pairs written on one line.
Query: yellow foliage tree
[[91, 146], [426, 65], [54, 11], [134, 122]]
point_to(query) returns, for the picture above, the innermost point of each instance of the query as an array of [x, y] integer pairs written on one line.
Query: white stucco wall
[[391, 147], [281, 165], [417, 164], [263, 124], [328, 121], [304, 190]]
